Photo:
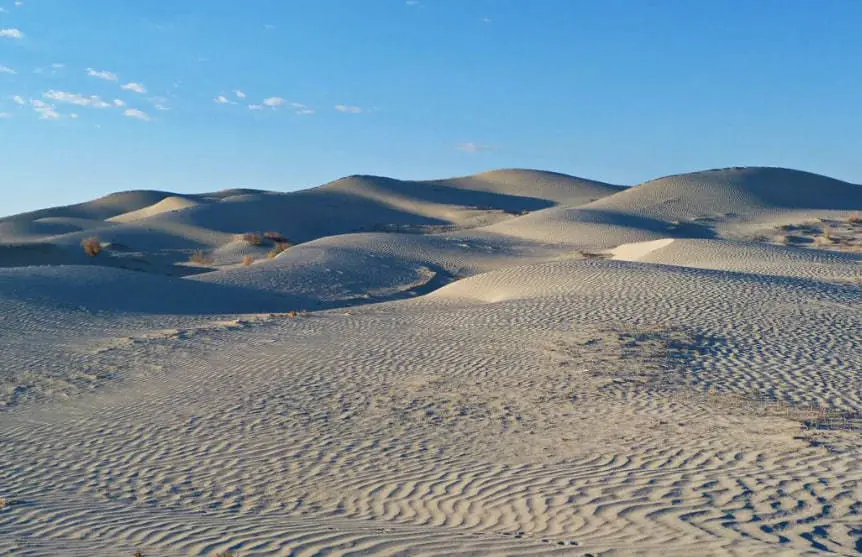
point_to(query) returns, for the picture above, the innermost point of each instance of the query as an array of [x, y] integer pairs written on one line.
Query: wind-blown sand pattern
[[514, 363]]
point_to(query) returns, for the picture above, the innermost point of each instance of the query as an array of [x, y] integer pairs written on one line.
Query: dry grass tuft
[[252, 238], [855, 219], [247, 260], [4, 502], [278, 248], [224, 554], [92, 246], [201, 257], [292, 314]]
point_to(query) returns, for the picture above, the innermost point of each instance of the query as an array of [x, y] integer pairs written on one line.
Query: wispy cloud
[[119, 103], [274, 102], [7, 69], [11, 33], [5, 115], [160, 103], [58, 66], [102, 74], [45, 110], [470, 147], [255, 107], [18, 99], [135, 113], [239, 94], [135, 87], [349, 109], [73, 98], [221, 99], [301, 109]]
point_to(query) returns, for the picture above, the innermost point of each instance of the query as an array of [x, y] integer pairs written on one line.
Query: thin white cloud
[[19, 3], [486, 20], [45, 110], [11, 33], [301, 109], [58, 65], [73, 116], [119, 103], [221, 99], [73, 98], [348, 109], [18, 99], [5, 115], [3, 10], [273, 101], [135, 113], [160, 103], [470, 147], [102, 74], [239, 94], [255, 107], [7, 69], [135, 87]]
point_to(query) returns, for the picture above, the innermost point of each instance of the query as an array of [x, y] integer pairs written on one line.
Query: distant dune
[[511, 363]]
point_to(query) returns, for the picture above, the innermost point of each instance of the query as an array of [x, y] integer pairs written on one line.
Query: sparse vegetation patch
[[201, 257], [92, 246]]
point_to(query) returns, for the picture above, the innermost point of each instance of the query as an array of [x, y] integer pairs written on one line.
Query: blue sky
[[190, 95]]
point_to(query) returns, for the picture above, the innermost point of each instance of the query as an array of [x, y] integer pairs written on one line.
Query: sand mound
[[166, 205], [734, 192], [747, 258], [116, 290], [561, 189]]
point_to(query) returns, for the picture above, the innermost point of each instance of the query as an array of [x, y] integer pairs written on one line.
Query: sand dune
[[511, 363]]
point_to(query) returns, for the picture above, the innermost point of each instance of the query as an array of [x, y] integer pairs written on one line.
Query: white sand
[[465, 383]]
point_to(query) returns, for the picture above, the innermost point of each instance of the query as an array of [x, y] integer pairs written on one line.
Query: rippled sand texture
[[614, 372]]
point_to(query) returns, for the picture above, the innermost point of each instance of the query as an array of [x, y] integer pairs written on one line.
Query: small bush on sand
[[92, 246], [825, 238], [252, 238], [247, 260], [274, 236], [278, 248], [201, 257], [855, 219]]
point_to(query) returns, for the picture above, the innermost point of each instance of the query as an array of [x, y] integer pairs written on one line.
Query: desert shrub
[[252, 238], [201, 257], [92, 246], [826, 237], [278, 248], [247, 260], [855, 219], [275, 236]]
